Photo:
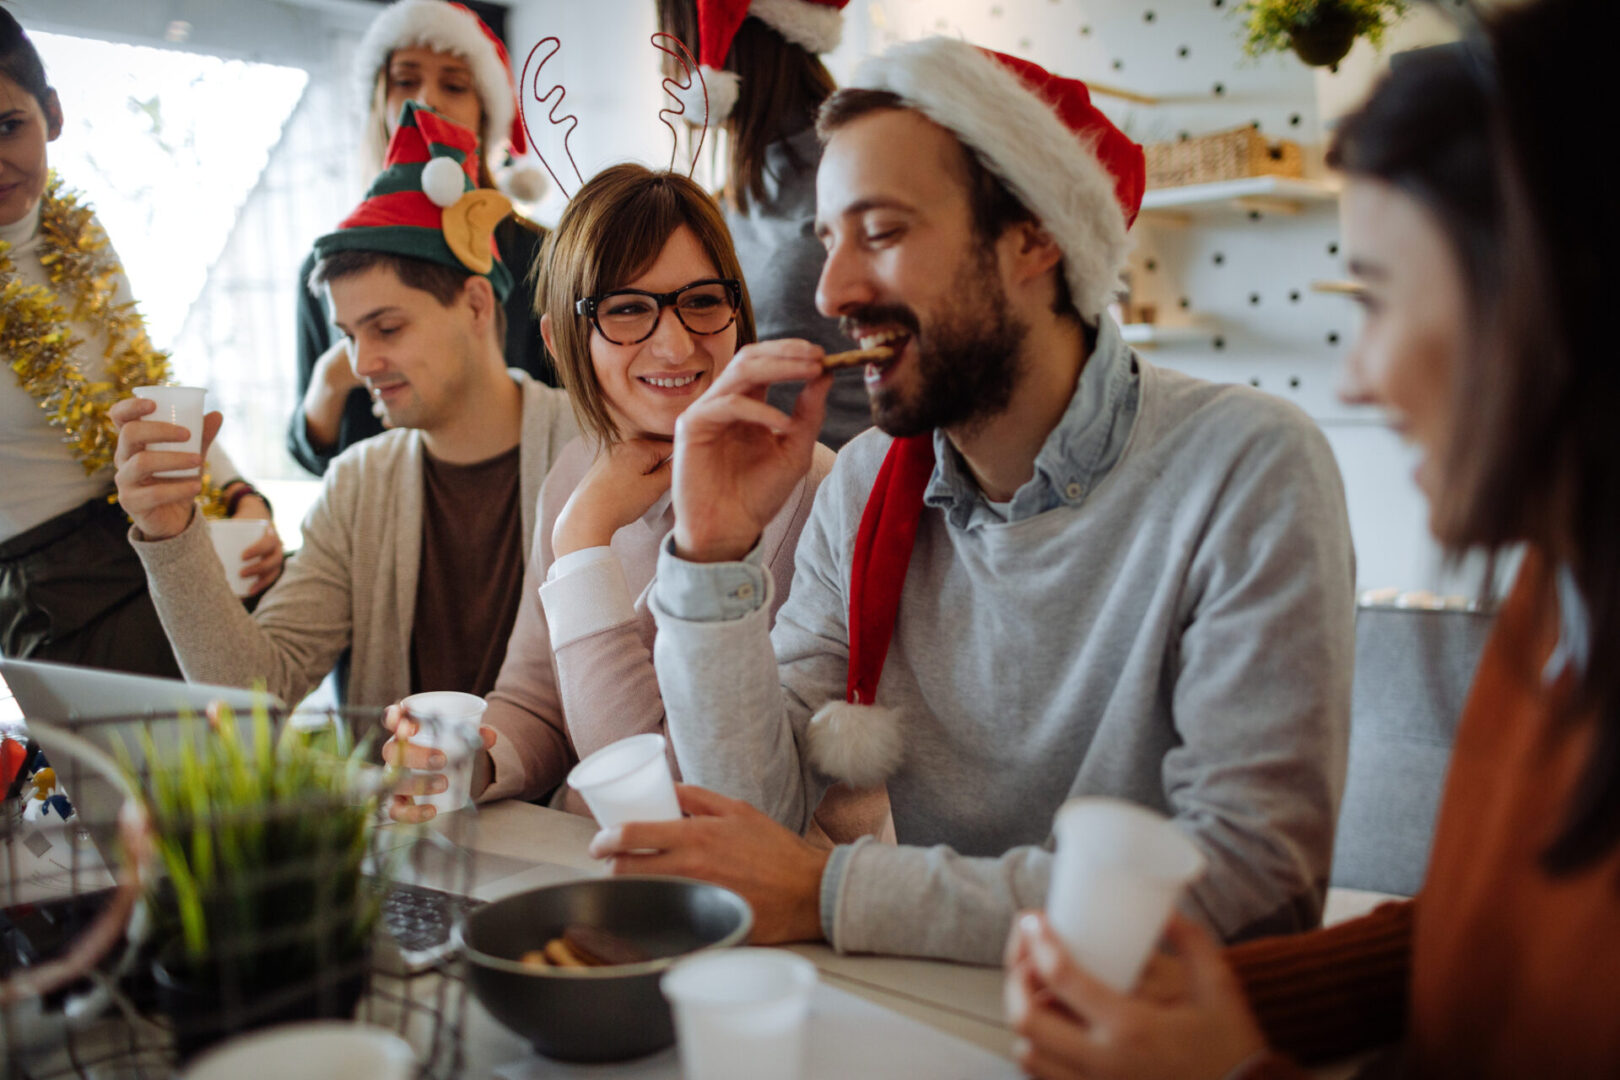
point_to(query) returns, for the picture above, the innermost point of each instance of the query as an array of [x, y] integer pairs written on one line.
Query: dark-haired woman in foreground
[[1484, 255]]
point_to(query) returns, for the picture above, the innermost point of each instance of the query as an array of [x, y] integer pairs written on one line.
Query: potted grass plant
[[1320, 32], [262, 912]]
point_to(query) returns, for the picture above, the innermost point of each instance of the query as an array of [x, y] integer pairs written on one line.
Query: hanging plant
[[1320, 32]]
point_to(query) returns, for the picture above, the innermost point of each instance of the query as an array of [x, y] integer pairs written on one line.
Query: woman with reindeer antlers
[[444, 56], [765, 81], [642, 305]]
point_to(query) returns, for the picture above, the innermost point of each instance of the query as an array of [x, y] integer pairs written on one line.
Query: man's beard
[[968, 360]]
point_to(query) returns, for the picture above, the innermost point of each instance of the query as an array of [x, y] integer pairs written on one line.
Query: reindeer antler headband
[[530, 91]]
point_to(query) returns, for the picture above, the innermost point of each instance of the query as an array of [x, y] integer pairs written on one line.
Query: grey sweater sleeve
[[292, 639], [733, 728], [1254, 630]]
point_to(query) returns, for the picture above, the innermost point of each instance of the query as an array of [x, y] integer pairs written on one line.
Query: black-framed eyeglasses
[[630, 316]]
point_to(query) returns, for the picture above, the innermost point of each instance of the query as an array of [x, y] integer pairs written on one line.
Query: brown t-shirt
[[472, 573]]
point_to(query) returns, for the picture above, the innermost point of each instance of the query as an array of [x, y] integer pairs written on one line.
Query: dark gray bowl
[[595, 1014]]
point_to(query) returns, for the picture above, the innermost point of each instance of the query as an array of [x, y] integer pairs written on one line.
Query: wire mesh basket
[[170, 880]]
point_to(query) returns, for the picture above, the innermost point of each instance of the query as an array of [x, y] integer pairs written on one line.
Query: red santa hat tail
[[854, 739]]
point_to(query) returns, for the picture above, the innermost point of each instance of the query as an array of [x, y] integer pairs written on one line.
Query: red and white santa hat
[[1041, 135], [452, 28], [817, 25], [1083, 178]]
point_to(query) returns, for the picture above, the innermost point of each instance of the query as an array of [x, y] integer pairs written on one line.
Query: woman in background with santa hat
[[765, 82], [444, 56]]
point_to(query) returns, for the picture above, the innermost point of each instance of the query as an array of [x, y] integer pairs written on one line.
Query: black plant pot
[[1324, 37], [208, 1005]]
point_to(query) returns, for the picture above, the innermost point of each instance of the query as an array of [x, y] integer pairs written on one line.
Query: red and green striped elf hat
[[426, 203]]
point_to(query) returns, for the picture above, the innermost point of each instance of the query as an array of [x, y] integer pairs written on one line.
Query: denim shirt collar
[[1078, 453]]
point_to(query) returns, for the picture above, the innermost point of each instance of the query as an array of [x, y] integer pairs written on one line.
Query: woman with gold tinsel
[[71, 589]]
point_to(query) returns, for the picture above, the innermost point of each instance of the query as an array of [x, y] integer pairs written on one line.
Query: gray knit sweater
[[781, 262], [1166, 616], [353, 583]]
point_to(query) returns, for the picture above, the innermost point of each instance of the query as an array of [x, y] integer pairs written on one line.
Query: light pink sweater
[[557, 701]]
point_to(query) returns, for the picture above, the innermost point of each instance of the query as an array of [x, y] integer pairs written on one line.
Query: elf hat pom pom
[[454, 29], [1041, 135], [818, 25], [426, 203]]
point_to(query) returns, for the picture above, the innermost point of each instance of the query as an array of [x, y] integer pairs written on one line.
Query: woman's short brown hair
[[614, 228]]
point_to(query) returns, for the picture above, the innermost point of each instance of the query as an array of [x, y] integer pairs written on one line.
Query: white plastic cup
[[741, 1014], [447, 720], [1119, 870], [627, 781], [182, 405], [311, 1050], [232, 537]]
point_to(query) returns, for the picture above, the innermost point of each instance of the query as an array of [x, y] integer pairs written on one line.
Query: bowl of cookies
[[574, 968]]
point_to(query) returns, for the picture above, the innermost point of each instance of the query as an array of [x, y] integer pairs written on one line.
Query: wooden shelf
[[1273, 194], [1338, 288], [1151, 335]]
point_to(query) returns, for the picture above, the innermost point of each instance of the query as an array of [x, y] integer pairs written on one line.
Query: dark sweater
[[518, 241]]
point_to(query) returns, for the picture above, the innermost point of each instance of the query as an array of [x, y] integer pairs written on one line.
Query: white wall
[[610, 71], [1264, 324]]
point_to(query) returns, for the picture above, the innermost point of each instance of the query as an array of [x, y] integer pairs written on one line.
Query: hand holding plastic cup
[[232, 537], [741, 1014], [447, 720], [181, 405], [627, 781], [1119, 869]]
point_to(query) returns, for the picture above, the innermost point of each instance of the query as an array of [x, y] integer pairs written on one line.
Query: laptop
[[64, 693], [418, 911]]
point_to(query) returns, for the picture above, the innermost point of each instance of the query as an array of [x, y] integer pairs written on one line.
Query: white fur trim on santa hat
[[859, 744], [1022, 140], [818, 27], [435, 25], [723, 86], [523, 180]]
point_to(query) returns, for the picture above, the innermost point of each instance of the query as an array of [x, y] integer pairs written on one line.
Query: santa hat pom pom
[[443, 181], [523, 181], [722, 96], [859, 744]]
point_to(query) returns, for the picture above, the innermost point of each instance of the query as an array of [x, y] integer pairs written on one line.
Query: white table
[[959, 999]]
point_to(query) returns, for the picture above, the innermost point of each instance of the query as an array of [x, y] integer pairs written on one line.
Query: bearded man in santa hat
[[1053, 570]]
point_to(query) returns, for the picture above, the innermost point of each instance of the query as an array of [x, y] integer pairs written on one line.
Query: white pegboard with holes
[[1231, 282]]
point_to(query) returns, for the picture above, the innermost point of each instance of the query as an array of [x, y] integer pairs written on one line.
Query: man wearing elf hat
[[443, 56], [413, 554], [1054, 570]]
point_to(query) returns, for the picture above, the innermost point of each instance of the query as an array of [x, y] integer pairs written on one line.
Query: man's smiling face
[[906, 267], [416, 355]]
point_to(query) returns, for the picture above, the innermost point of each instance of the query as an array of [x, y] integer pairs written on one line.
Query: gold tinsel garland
[[37, 341]]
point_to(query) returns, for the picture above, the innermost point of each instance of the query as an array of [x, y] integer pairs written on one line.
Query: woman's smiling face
[[25, 128], [648, 384], [1412, 288]]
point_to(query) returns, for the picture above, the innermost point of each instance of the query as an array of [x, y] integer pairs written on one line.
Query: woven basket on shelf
[[1224, 155]]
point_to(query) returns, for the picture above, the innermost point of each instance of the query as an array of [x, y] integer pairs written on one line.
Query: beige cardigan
[[555, 702], [352, 584]]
